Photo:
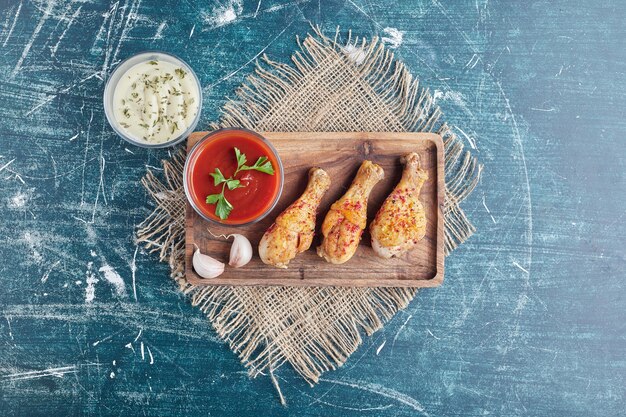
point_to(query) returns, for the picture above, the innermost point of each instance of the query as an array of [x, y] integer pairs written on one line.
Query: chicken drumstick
[[292, 231], [344, 224], [401, 221]]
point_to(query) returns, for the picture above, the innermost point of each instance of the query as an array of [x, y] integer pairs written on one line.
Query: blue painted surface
[[530, 320]]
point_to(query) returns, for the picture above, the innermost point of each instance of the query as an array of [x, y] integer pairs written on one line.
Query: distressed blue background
[[531, 318]]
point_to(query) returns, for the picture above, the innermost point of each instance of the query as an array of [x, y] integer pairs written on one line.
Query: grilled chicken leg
[[347, 218], [401, 221], [292, 231]]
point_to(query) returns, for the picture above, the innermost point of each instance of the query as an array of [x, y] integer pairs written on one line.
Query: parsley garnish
[[222, 205]]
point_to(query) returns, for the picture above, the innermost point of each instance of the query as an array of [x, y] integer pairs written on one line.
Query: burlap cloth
[[353, 85]]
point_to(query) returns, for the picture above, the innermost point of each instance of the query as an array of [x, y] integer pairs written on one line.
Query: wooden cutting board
[[340, 154]]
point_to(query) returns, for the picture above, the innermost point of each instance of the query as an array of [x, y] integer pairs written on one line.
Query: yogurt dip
[[153, 99]]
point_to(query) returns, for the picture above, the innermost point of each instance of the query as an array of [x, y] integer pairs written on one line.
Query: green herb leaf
[[266, 168], [218, 177], [262, 164], [153, 63], [213, 198], [223, 208], [232, 184], [241, 158], [180, 72]]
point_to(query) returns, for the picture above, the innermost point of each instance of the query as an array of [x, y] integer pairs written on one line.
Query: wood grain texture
[[340, 154]]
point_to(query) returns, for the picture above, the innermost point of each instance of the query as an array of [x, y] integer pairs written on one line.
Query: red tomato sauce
[[260, 189]]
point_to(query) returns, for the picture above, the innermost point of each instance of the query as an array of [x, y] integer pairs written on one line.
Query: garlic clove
[[205, 266], [240, 251]]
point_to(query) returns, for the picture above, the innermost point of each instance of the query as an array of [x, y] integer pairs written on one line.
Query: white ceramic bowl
[[119, 72]]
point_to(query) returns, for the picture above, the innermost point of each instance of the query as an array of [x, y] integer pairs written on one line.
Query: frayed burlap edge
[[314, 329]]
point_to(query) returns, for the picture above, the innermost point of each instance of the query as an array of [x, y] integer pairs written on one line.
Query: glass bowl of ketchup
[[258, 192]]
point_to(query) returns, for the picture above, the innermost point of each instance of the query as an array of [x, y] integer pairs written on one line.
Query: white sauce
[[155, 101]]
